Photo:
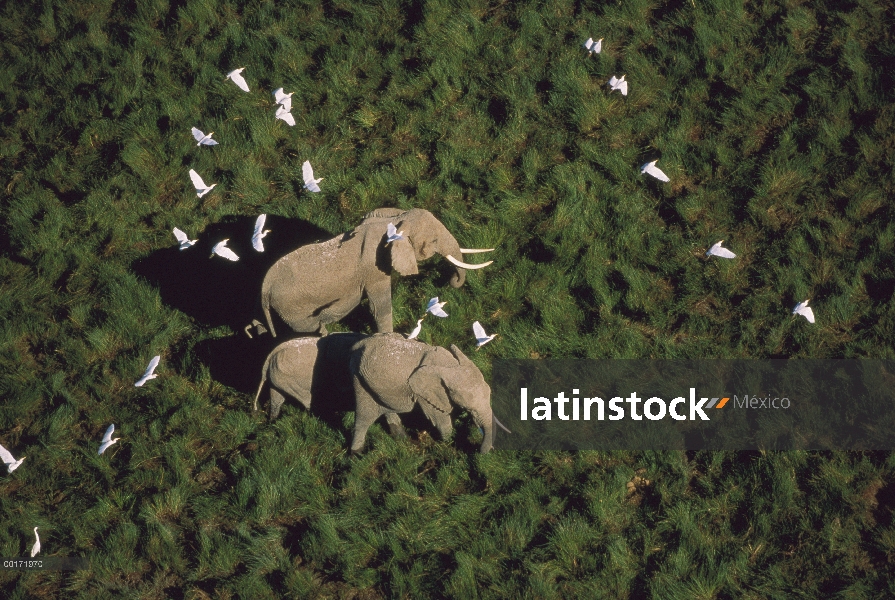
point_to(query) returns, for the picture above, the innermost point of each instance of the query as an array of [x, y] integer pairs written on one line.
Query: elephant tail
[[265, 307], [263, 379]]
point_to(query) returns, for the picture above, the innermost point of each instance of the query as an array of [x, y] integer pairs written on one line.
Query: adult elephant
[[321, 283], [391, 374]]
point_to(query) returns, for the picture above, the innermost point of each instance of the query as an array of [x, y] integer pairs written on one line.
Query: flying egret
[[282, 98], [308, 174], [416, 330], [284, 115], [238, 79], [203, 139], [592, 46], [481, 337], [150, 372], [183, 239], [201, 188], [393, 234], [803, 309], [258, 234], [655, 171], [717, 250], [107, 439], [11, 463], [36, 547], [436, 308], [619, 84], [223, 251]]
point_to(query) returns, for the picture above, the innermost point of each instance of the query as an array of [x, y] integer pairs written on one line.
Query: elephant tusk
[[499, 424], [464, 265], [476, 250]]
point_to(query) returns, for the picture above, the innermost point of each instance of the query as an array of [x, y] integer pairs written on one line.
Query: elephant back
[[377, 362]]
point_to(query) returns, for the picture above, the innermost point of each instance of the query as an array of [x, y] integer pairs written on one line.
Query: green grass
[[774, 121]]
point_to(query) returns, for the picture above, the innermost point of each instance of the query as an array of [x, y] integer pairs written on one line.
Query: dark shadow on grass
[[216, 291]]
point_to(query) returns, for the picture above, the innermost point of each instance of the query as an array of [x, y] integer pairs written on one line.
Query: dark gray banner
[[695, 404]]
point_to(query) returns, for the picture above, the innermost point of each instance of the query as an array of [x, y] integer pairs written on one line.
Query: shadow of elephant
[[216, 291]]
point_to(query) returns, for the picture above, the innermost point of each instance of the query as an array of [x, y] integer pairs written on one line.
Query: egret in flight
[[593, 47], [392, 233], [803, 309], [11, 463], [203, 139], [308, 175], [201, 188], [717, 250], [437, 308], [238, 79], [223, 251], [619, 83], [149, 373], [183, 239], [258, 234], [651, 169], [107, 439], [481, 337], [283, 114]]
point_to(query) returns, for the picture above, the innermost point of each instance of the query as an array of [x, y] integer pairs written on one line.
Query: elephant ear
[[427, 386], [403, 257]]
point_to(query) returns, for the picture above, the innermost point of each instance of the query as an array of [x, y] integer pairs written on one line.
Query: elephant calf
[[312, 367], [391, 374]]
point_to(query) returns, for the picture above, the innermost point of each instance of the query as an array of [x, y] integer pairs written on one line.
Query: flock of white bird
[[650, 168], [283, 112]]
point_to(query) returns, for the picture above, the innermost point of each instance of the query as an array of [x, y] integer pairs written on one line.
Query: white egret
[[284, 115], [183, 239], [258, 234], [803, 309], [619, 84], [203, 138], [11, 463], [223, 251], [436, 308], [36, 547], [481, 337], [201, 188], [717, 250], [107, 439], [392, 233], [594, 47], [149, 373], [416, 330], [284, 99], [238, 79], [308, 175], [651, 169]]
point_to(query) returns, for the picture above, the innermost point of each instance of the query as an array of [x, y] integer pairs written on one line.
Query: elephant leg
[[380, 295], [395, 427], [367, 412], [443, 423], [276, 402]]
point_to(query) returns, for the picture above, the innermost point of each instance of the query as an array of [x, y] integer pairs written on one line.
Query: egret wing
[[284, 115], [623, 86], [181, 236], [152, 365], [198, 135], [5, 456], [286, 103], [259, 224], [107, 437], [197, 181], [479, 331], [656, 172], [226, 252], [724, 253], [807, 313], [239, 80], [307, 172], [589, 43]]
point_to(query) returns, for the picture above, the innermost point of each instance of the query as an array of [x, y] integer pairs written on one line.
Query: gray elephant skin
[[314, 369], [391, 374], [321, 283]]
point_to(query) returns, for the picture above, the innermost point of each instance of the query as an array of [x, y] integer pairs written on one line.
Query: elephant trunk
[[450, 247], [486, 422]]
